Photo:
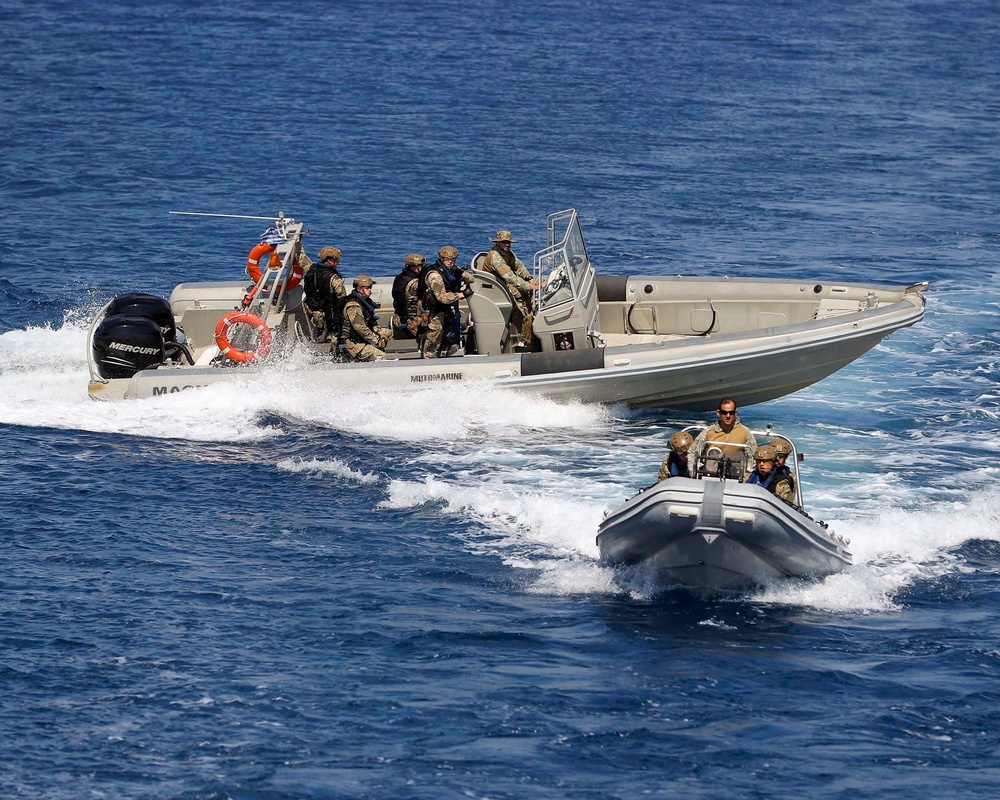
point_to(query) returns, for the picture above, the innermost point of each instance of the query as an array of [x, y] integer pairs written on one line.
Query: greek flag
[[273, 235]]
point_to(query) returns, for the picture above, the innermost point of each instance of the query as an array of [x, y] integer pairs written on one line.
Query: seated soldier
[[783, 449], [768, 478], [675, 465], [362, 338], [406, 322]]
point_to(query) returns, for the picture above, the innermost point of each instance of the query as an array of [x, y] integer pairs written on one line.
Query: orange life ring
[[242, 318], [262, 249]]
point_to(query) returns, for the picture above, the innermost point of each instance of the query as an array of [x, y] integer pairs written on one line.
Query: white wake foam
[[551, 536], [43, 383]]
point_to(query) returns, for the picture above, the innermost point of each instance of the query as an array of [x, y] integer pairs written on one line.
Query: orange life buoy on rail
[[262, 249], [242, 318]]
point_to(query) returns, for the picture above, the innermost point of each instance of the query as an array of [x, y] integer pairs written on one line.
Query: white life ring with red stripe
[[242, 318], [254, 270]]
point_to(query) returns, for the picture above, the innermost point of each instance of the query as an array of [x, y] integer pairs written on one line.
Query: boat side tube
[[562, 361]]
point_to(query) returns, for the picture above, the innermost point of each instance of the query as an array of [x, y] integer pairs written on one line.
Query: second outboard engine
[[124, 345]]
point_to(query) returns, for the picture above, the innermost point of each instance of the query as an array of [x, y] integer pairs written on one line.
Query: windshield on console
[[561, 266]]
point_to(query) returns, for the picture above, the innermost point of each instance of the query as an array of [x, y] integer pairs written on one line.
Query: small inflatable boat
[[715, 532]]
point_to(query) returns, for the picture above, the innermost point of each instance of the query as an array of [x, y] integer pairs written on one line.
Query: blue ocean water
[[296, 594]]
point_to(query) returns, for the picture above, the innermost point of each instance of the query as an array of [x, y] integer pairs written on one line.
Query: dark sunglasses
[[727, 413]]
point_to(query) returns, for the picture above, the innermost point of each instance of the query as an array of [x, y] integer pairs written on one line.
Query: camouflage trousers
[[520, 313], [404, 329], [363, 352], [434, 333], [318, 321]]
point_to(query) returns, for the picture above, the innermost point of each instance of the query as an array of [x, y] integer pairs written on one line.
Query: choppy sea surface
[[286, 593]]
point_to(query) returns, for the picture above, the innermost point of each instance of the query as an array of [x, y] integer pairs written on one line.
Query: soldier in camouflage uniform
[[502, 262], [407, 318], [361, 336], [768, 477], [323, 288], [783, 449], [675, 465], [440, 304]]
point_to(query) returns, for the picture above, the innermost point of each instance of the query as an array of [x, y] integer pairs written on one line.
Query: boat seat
[[490, 309]]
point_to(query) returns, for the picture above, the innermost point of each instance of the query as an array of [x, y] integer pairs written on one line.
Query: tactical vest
[[347, 332], [426, 295], [399, 304], [509, 258], [316, 284]]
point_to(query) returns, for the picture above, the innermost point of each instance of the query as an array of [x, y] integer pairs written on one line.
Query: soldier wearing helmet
[[323, 287], [502, 262], [405, 297], [766, 476], [783, 449], [362, 338], [439, 290], [727, 430], [675, 465]]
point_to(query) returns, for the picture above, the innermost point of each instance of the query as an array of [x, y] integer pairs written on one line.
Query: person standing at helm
[[675, 465], [728, 428], [502, 262], [440, 304], [323, 287], [766, 476], [405, 297], [361, 336]]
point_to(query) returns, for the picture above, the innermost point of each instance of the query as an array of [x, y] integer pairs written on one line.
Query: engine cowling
[[123, 345], [138, 304]]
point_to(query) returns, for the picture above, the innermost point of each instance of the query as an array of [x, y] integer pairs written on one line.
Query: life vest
[[399, 304], [765, 483], [347, 332], [678, 467], [319, 297]]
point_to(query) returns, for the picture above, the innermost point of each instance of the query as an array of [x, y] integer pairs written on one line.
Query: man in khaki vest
[[727, 429]]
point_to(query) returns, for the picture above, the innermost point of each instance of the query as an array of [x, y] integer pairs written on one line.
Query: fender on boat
[[562, 361]]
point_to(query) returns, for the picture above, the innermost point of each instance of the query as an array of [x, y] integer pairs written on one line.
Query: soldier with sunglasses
[[729, 429]]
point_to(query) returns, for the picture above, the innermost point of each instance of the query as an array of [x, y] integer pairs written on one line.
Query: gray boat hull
[[713, 535]]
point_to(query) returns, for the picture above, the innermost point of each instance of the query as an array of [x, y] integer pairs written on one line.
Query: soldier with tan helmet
[[362, 338], [783, 449], [502, 262], [323, 287], [406, 319], [439, 291], [675, 465], [766, 476]]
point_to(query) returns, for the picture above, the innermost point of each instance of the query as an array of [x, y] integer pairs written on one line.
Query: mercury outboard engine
[[137, 332], [155, 308]]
